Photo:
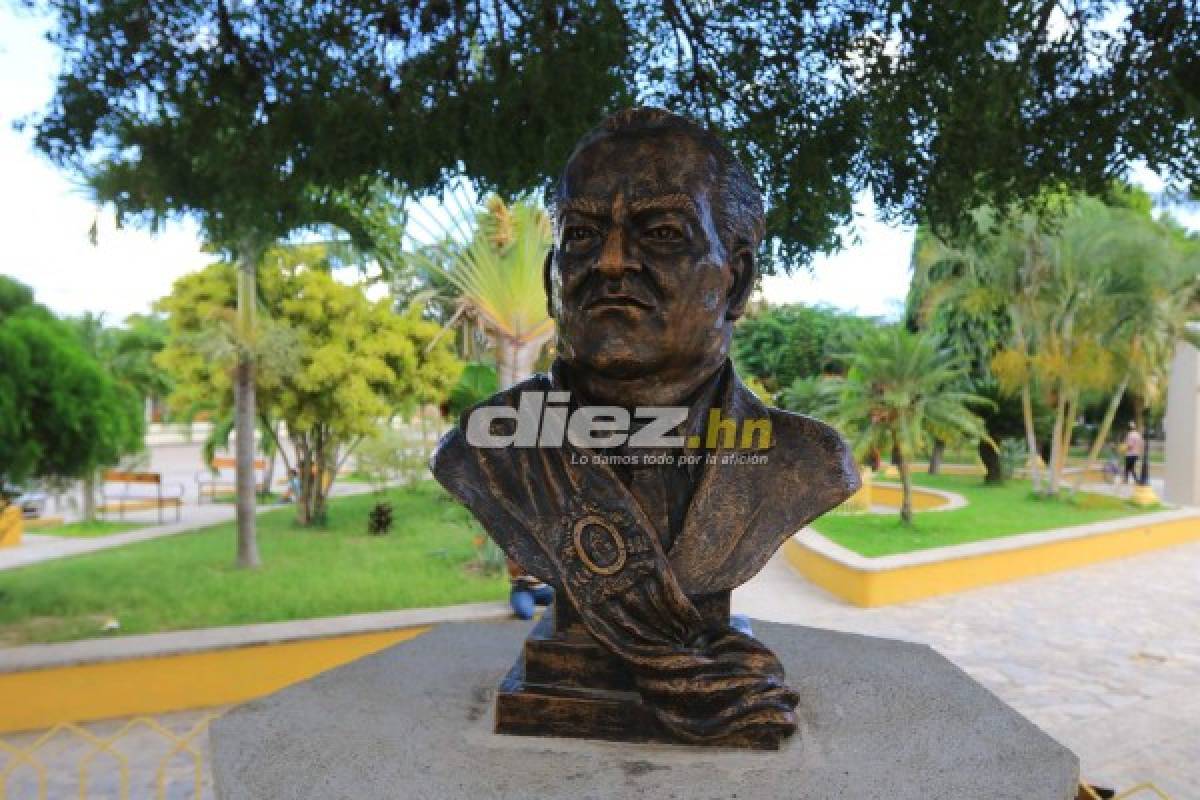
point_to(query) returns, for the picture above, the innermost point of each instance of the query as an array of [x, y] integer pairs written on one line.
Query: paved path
[[38, 547], [1105, 658]]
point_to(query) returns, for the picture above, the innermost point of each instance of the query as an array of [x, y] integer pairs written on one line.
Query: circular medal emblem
[[599, 545]]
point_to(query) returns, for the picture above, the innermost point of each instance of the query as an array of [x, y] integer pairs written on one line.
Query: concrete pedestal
[[1182, 423], [878, 719]]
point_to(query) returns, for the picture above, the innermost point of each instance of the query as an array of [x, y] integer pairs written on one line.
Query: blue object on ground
[[524, 600]]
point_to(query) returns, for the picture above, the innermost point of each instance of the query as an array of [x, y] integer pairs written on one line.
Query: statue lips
[[622, 300], [626, 304]]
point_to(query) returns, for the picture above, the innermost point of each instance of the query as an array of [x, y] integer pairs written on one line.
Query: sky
[[45, 218]]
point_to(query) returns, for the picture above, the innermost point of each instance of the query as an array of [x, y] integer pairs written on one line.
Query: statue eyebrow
[[664, 202], [585, 205], [676, 201]]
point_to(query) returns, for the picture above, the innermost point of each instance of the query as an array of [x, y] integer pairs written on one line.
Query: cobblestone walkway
[[1105, 658]]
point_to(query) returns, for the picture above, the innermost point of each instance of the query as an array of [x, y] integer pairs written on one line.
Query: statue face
[[640, 283]]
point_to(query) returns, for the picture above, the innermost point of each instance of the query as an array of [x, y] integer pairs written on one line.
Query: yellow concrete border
[[41, 698], [869, 587], [952, 469], [922, 499], [11, 526]]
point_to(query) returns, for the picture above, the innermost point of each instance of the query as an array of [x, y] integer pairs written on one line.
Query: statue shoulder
[[453, 445], [809, 441]]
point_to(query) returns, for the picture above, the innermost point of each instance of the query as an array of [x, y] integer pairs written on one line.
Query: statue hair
[[738, 200]]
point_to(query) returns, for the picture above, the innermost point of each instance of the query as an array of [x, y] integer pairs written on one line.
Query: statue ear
[[745, 272], [547, 266]]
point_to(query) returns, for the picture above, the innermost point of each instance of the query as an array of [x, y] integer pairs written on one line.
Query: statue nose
[[615, 259]]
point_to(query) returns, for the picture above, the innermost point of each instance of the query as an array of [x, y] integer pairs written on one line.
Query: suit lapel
[[726, 496]]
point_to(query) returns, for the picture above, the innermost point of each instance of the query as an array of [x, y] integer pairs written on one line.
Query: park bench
[[138, 490], [221, 477]]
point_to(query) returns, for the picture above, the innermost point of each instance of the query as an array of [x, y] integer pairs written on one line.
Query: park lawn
[[991, 512], [189, 580], [99, 527], [262, 498]]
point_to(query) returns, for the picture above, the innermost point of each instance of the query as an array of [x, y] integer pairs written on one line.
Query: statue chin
[[613, 365], [617, 376]]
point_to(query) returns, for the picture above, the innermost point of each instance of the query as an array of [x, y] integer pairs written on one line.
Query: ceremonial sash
[[574, 524]]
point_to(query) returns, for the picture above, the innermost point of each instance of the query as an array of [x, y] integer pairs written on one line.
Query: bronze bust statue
[[640, 477]]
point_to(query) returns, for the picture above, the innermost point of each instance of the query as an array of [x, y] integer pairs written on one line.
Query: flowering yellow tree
[[332, 362]]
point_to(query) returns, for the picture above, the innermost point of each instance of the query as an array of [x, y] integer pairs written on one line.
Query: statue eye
[[664, 233], [579, 233]]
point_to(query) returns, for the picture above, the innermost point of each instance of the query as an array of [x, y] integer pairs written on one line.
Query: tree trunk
[[1102, 432], [245, 413], [1068, 434], [304, 469], [1035, 472], [1139, 413], [515, 359], [1056, 445], [936, 455], [321, 459], [994, 470], [1144, 476], [272, 429], [89, 496], [906, 513]]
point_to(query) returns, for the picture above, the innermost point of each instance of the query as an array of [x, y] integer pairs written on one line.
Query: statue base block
[[565, 684], [878, 718]]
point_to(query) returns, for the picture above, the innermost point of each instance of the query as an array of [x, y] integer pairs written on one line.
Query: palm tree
[[1079, 289], [1000, 271], [1157, 301], [899, 393], [495, 264]]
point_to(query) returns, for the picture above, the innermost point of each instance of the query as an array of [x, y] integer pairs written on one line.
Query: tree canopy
[[255, 115], [782, 344], [61, 414], [332, 363]]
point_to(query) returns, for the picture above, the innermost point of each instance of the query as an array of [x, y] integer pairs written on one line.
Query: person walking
[[1134, 444]]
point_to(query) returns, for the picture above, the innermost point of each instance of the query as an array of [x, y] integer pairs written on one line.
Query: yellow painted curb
[[41, 698], [893, 496], [881, 587], [11, 526]]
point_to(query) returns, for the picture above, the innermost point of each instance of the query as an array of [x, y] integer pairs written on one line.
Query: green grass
[[263, 498], [189, 580], [100, 527], [991, 512]]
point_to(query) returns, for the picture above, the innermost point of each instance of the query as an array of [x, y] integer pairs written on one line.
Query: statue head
[[656, 225]]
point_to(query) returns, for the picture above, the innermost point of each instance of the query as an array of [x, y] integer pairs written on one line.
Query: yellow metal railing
[[17, 759]]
